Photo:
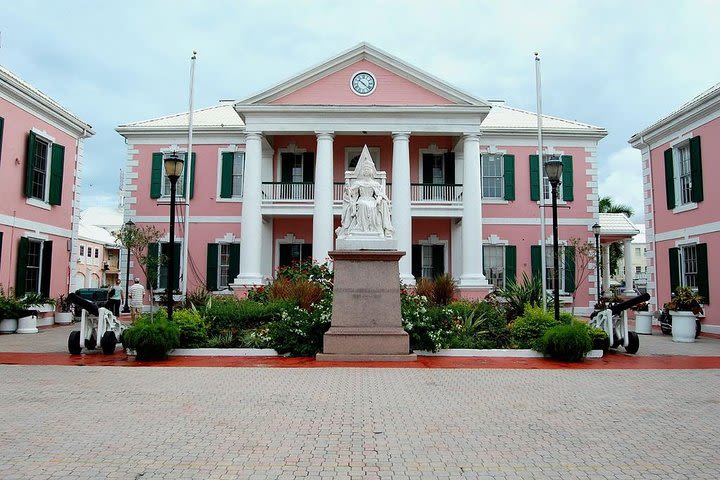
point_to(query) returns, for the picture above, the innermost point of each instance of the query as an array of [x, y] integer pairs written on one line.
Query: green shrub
[[255, 338], [490, 330], [517, 295], [233, 315], [193, 332], [429, 328], [152, 340], [528, 329], [300, 332], [222, 340], [198, 298], [599, 338], [439, 291], [300, 291], [568, 343]]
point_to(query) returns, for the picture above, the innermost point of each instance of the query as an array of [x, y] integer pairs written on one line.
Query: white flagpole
[[186, 220], [543, 267]]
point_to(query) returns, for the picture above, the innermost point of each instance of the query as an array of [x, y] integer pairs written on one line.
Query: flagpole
[[543, 267], [188, 166]]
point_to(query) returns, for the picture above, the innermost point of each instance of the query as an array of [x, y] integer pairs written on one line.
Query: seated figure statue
[[366, 207]]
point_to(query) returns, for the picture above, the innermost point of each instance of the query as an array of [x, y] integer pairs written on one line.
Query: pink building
[[41, 155], [682, 220], [266, 180]]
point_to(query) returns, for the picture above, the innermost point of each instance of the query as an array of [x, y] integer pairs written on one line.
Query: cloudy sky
[[620, 65]]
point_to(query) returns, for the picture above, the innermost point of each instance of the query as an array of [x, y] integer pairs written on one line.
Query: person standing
[[135, 299], [117, 297]]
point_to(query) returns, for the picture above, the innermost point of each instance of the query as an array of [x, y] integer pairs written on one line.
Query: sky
[[620, 65]]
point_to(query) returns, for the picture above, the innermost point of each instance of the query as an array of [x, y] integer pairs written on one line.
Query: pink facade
[[681, 215], [285, 170], [40, 218]]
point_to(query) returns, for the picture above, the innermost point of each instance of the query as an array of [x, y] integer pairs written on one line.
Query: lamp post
[[596, 232], [173, 170], [126, 309], [553, 170]]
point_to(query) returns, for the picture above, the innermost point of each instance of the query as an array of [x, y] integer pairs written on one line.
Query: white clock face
[[363, 83]]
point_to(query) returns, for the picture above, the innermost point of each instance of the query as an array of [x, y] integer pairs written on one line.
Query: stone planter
[[63, 318], [8, 325], [46, 319], [42, 308], [27, 324], [643, 323], [683, 326]]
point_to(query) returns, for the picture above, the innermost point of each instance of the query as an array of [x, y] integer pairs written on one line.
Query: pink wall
[[334, 89], [18, 123]]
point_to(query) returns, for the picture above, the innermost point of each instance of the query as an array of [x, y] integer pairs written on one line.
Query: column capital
[[253, 135], [471, 137], [324, 135], [401, 136]]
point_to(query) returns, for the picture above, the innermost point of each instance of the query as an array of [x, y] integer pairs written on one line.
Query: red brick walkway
[[610, 361]]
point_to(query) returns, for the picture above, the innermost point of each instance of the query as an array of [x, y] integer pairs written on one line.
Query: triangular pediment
[[397, 83]]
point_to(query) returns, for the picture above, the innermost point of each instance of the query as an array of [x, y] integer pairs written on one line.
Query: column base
[[248, 280], [473, 281], [408, 280]]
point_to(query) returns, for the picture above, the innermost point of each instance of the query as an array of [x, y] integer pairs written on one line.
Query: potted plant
[[63, 316], [643, 319], [43, 307], [684, 305], [10, 309]]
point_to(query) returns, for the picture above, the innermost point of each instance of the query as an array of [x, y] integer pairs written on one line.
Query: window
[[683, 174], [637, 251], [237, 174], [223, 266], [492, 176], [97, 252], [294, 253], [428, 261], [638, 269], [180, 185], [40, 169], [231, 174], [352, 155], [547, 188], [689, 266], [89, 251], [549, 277], [33, 267], [494, 265], [82, 250]]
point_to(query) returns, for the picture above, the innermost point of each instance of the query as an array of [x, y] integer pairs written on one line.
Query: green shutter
[[192, 175], [703, 283], [438, 260], [156, 175], [234, 268], [569, 269], [696, 170], [287, 161], [536, 261], [46, 268], [669, 179], [1, 242], [153, 265], [674, 269], [449, 159], [22, 259], [57, 166], [308, 167], [2, 127], [534, 178], [509, 176], [226, 171], [30, 163], [510, 263], [416, 261], [212, 267], [567, 178]]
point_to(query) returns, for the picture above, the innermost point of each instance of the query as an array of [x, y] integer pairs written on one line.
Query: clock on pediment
[[363, 83]]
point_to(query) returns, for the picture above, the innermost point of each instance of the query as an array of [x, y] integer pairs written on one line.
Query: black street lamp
[[553, 170], [126, 309], [173, 170], [596, 232]]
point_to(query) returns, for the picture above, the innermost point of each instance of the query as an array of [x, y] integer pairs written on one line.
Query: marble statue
[[366, 207]]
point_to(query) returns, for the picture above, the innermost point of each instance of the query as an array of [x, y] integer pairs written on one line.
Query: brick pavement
[[259, 423]]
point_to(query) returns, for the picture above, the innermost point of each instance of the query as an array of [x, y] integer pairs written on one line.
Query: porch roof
[[615, 227]]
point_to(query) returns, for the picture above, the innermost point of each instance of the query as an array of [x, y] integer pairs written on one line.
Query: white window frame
[[166, 240], [235, 198], [684, 267], [351, 152], [220, 265], [431, 150], [430, 242], [40, 266], [483, 157], [549, 266], [44, 202], [502, 261], [164, 179], [241, 157], [290, 149], [677, 150]]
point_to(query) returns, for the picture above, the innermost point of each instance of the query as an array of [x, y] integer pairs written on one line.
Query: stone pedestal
[[366, 323]]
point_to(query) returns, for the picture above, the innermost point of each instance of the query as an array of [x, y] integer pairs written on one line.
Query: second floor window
[[40, 169], [492, 176], [683, 174]]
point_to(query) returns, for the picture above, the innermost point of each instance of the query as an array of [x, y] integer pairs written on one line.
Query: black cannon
[[614, 321]]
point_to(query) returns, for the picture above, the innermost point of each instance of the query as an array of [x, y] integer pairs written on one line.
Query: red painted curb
[[617, 361]]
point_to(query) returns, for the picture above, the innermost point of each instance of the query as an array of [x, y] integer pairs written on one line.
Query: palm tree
[[607, 205]]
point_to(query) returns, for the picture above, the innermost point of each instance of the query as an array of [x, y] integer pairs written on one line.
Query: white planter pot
[[45, 320], [27, 324], [643, 323], [42, 308], [683, 326], [63, 318], [8, 325]]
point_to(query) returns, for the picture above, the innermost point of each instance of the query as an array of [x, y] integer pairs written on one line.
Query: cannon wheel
[[633, 343], [108, 342], [74, 343]]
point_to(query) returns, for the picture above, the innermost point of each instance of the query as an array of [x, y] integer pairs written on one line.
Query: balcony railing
[[278, 191], [428, 193], [339, 186]]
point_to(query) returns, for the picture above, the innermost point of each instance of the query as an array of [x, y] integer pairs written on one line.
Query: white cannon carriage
[[615, 323], [98, 328]]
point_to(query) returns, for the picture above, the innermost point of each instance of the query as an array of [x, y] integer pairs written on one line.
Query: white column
[[323, 210], [251, 228], [606, 269], [629, 273], [472, 260], [401, 214]]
